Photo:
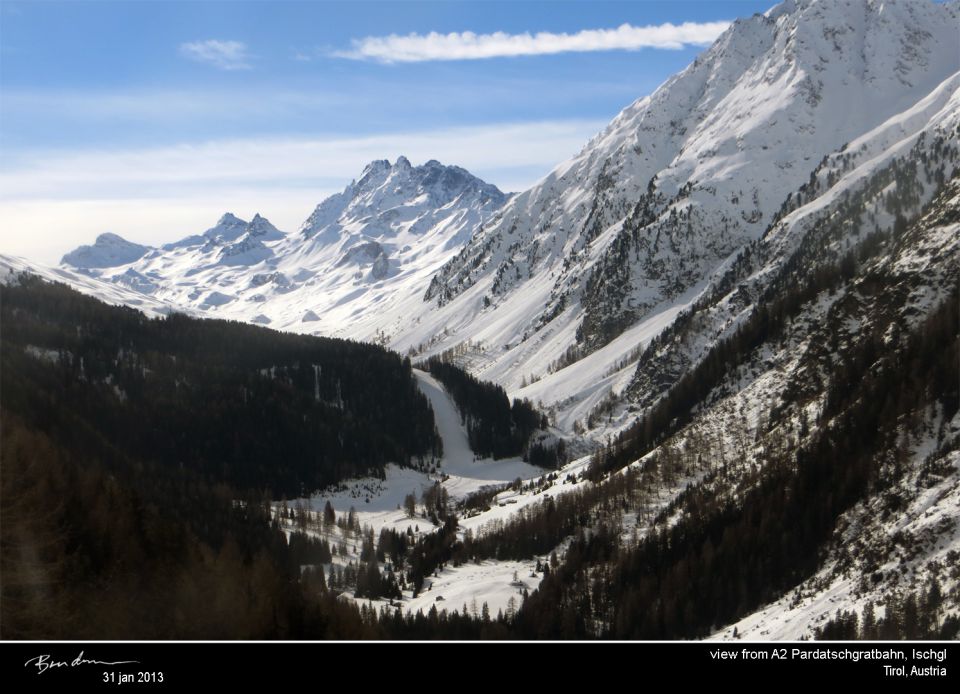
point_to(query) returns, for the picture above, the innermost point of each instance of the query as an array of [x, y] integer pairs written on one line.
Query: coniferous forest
[[140, 457], [495, 427], [236, 404]]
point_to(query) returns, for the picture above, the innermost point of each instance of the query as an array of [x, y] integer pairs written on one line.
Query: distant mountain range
[[378, 241]]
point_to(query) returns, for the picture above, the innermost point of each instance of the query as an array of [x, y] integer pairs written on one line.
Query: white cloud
[[52, 202], [226, 55], [467, 45]]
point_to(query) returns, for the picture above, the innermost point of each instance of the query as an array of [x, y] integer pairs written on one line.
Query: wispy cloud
[[225, 55], [467, 45]]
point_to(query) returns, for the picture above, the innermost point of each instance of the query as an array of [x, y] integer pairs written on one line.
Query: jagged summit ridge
[[402, 187], [228, 228], [375, 243]]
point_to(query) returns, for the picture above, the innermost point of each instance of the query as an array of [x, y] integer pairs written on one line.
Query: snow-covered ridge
[[680, 181], [385, 193], [363, 253], [117, 294], [918, 137]]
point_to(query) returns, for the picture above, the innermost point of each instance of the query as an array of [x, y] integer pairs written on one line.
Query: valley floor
[[380, 504]]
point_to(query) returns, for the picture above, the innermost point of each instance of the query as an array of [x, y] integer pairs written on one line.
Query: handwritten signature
[[43, 662]]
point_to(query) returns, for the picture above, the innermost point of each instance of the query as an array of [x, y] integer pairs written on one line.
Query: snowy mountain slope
[[678, 183], [835, 408], [116, 294], [643, 227], [799, 180], [878, 240], [896, 541], [927, 522], [367, 250], [879, 235], [863, 173]]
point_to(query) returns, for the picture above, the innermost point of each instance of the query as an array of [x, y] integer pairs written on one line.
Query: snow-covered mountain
[[113, 293], [371, 247], [618, 239], [805, 378], [109, 250], [858, 274]]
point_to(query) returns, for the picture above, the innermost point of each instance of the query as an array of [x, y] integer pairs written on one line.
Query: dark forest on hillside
[[235, 403], [495, 427]]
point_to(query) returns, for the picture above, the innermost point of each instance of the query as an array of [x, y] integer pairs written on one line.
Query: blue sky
[[149, 119]]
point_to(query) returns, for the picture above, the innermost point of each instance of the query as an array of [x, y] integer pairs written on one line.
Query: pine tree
[[410, 504], [329, 515]]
